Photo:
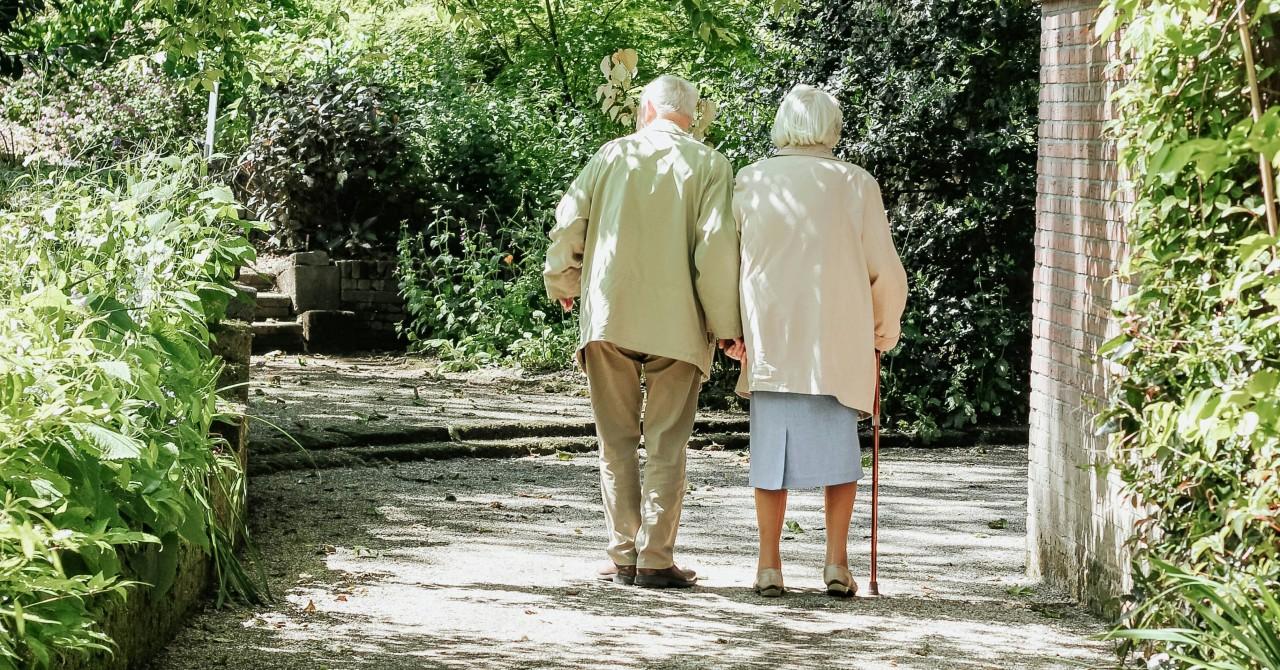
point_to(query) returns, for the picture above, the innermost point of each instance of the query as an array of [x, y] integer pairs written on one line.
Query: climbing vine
[[1195, 415]]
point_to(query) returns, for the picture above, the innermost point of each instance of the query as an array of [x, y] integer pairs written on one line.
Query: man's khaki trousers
[[642, 517]]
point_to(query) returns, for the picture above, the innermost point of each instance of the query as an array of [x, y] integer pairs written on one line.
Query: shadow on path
[[489, 564]]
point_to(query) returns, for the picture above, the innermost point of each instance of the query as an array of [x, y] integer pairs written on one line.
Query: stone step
[[271, 305], [262, 282], [273, 300], [277, 335]]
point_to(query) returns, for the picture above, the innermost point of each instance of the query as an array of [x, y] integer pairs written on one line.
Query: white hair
[[671, 95], [807, 117]]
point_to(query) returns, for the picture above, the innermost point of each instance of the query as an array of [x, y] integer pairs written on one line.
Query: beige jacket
[[822, 285], [645, 236]]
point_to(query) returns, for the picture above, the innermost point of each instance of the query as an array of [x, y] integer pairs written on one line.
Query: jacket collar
[[666, 126], [817, 151]]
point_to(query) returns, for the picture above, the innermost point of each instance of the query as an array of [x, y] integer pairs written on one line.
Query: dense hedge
[[940, 101]]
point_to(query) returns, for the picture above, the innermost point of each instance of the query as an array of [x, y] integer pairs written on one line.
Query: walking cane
[[874, 586]]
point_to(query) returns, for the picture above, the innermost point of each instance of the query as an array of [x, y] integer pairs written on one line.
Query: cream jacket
[[646, 237], [822, 285]]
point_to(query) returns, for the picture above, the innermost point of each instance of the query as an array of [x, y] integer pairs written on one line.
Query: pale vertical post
[[211, 122]]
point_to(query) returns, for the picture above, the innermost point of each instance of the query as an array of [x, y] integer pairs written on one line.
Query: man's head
[[671, 98]]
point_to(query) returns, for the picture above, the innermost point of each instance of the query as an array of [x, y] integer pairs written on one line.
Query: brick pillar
[[1076, 522]]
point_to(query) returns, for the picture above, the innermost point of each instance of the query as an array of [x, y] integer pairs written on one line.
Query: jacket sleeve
[[884, 269], [562, 272], [715, 254]]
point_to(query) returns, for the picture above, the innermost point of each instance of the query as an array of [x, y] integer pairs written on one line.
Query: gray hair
[[807, 117], [671, 95]]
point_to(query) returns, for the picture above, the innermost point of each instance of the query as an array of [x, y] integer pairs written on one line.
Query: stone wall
[[343, 306], [1077, 523], [371, 291]]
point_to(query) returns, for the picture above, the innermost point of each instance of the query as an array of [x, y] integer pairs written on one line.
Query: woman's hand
[[735, 348]]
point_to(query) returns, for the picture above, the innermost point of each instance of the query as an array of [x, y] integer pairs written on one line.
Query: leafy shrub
[[473, 301], [1235, 621], [107, 391], [328, 165], [940, 102], [1195, 415], [101, 115]]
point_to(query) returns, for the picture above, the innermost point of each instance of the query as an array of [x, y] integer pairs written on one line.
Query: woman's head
[[807, 117]]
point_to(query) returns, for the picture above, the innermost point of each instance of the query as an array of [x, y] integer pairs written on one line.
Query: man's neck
[[678, 120]]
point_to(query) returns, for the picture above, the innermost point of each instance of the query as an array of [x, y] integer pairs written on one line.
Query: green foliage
[[1234, 621], [100, 115], [199, 40], [1195, 416], [473, 302], [107, 391], [328, 163], [940, 103]]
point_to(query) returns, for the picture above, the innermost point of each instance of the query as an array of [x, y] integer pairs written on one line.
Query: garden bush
[[108, 283], [327, 163], [472, 302], [1195, 416]]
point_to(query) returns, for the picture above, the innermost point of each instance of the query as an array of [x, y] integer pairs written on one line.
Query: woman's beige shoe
[[839, 581], [769, 583]]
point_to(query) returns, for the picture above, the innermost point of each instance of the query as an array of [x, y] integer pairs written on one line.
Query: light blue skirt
[[802, 441]]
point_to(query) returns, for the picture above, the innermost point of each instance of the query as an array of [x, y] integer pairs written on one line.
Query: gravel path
[[481, 563]]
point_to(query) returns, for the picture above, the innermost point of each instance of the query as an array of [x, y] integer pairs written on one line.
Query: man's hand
[[566, 304], [735, 348]]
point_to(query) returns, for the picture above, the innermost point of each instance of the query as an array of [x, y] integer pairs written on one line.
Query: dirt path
[[481, 563]]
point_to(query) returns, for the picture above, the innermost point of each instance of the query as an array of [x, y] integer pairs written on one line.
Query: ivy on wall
[[1195, 418]]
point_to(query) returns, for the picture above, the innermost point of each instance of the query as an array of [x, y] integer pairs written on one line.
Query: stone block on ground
[[232, 340], [332, 330], [309, 258], [277, 335], [258, 280], [234, 381], [312, 287]]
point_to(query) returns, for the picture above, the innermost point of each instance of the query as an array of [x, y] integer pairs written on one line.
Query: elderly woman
[[822, 291]]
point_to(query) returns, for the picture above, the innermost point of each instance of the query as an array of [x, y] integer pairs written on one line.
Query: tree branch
[[1255, 101]]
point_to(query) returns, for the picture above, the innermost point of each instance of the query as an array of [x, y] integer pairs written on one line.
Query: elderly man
[[646, 236]]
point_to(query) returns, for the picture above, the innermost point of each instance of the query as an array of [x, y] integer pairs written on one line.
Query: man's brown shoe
[[667, 578], [618, 574]]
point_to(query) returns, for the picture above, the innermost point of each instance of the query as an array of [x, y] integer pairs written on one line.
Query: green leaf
[[117, 370], [220, 195], [112, 445]]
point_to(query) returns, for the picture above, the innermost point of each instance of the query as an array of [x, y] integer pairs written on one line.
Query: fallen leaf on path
[[497, 504], [794, 526], [342, 599], [530, 611], [998, 524], [311, 607], [571, 592]]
